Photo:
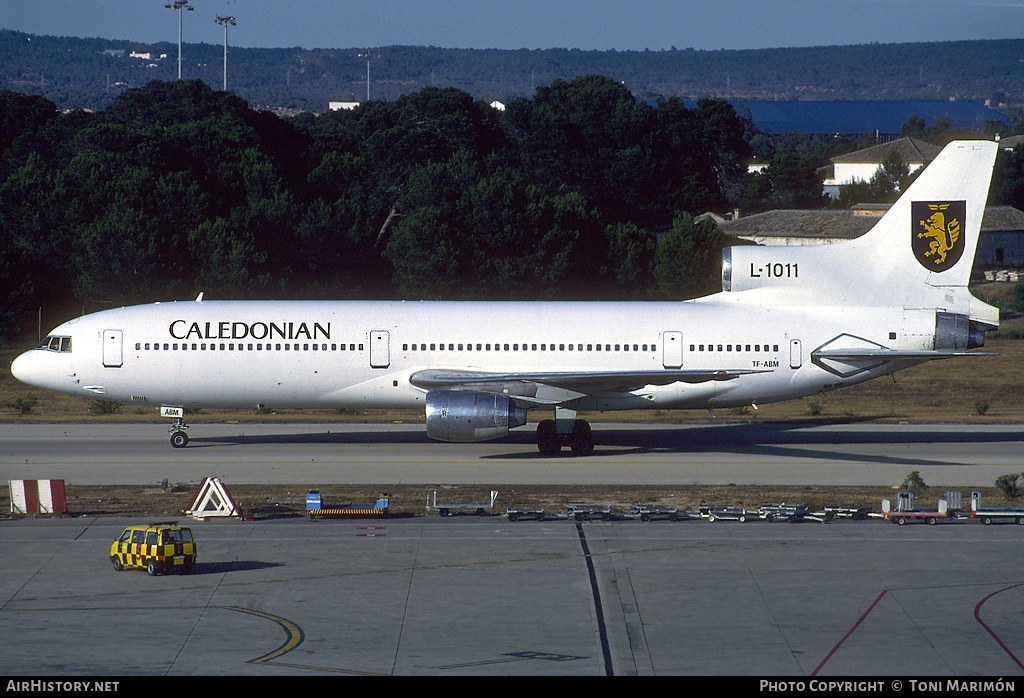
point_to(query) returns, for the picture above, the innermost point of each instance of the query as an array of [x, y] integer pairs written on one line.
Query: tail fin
[[919, 254], [929, 236]]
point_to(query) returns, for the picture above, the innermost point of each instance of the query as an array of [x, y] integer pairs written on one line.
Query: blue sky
[[515, 24]]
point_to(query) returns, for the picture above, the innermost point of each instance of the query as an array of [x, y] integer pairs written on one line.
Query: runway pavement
[[788, 454], [485, 596]]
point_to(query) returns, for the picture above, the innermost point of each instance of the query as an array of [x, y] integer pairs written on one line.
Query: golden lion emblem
[[942, 236]]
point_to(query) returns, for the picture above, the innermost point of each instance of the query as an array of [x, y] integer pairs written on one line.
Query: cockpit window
[[55, 343]]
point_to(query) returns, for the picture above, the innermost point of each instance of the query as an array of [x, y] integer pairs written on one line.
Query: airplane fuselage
[[362, 355]]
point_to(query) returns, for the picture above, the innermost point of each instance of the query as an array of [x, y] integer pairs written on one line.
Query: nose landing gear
[[179, 439]]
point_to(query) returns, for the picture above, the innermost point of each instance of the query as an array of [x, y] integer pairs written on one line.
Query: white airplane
[[790, 322]]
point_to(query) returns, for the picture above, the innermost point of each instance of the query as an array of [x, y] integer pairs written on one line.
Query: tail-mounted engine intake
[[457, 415], [957, 332]]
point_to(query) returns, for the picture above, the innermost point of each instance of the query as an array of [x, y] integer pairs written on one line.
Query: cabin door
[[380, 349], [796, 353], [113, 352], [672, 349]]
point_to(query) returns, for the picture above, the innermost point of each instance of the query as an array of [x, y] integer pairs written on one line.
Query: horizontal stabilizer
[[896, 354]]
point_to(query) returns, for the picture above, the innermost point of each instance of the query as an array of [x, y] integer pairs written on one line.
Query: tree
[[795, 183], [914, 126], [1010, 485], [687, 261], [915, 484], [21, 114]]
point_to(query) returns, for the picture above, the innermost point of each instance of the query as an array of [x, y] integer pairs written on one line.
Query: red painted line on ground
[[992, 634], [849, 632]]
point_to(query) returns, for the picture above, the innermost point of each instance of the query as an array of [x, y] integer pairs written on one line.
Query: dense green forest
[[581, 191], [90, 73]]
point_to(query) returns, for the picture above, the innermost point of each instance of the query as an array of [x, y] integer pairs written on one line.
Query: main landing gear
[[565, 430]]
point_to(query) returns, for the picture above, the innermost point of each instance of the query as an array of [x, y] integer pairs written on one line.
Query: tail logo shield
[[936, 237]]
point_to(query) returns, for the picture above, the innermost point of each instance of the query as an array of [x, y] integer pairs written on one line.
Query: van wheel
[[117, 563], [152, 569]]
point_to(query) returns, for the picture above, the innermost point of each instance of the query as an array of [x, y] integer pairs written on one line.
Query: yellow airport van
[[159, 547]]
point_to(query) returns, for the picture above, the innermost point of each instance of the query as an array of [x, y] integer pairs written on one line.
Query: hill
[[90, 73]]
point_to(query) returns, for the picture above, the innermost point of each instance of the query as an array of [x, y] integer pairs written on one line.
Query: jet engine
[[457, 415], [958, 332]]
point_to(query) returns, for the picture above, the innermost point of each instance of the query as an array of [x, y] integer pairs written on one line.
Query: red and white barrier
[[38, 497]]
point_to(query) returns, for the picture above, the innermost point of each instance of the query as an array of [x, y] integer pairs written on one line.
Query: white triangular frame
[[212, 499]]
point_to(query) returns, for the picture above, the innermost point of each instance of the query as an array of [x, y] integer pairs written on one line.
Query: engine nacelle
[[756, 266], [957, 332], [458, 415]]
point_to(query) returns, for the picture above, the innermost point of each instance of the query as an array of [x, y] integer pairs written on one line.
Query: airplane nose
[[19, 368], [27, 369]]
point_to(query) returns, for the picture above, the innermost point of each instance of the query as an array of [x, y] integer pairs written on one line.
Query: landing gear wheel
[[582, 439], [547, 438], [179, 439]]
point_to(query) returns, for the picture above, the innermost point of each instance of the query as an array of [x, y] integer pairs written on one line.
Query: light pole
[[368, 56], [225, 21], [178, 6]]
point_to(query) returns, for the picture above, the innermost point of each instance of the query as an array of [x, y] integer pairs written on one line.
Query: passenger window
[[138, 537], [126, 536], [151, 538]]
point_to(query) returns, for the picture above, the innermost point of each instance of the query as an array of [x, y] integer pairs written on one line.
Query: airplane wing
[[551, 387]]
